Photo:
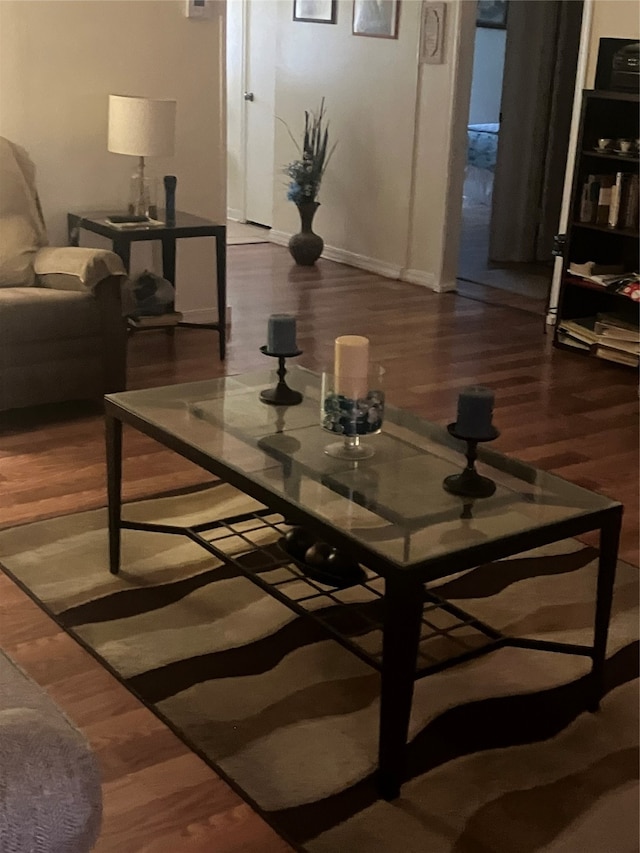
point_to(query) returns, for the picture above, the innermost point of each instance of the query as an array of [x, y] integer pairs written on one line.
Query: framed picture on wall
[[377, 18], [315, 11], [492, 13]]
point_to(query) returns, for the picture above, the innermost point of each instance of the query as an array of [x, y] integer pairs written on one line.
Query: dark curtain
[[537, 97]]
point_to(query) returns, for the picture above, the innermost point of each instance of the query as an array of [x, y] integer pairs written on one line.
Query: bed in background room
[[482, 152]]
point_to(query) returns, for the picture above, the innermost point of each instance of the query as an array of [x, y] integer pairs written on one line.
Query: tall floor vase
[[306, 246]]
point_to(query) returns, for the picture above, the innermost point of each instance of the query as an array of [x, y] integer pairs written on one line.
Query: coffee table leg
[[221, 278], [113, 428], [403, 613], [609, 538]]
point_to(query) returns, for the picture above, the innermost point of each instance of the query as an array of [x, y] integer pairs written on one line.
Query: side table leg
[[169, 268], [609, 538], [122, 248], [169, 259], [221, 281], [73, 230], [403, 614], [113, 433]]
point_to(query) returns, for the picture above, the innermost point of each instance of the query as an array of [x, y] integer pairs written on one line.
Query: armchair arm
[[75, 267]]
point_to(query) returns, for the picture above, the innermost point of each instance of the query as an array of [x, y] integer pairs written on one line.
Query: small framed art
[[492, 13], [315, 11], [377, 18]]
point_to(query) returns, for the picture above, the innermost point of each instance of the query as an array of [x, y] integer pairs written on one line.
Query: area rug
[[502, 755]]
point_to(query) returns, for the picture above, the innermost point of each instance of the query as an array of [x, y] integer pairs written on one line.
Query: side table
[[186, 225]]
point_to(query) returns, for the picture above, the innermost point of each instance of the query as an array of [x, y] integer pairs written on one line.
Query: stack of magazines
[[609, 336]]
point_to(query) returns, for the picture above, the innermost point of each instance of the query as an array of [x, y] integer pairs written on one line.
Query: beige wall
[[441, 153], [397, 169], [611, 19], [370, 90], [235, 109], [59, 61]]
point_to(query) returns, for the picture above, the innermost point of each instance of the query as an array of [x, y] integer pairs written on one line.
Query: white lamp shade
[[144, 127]]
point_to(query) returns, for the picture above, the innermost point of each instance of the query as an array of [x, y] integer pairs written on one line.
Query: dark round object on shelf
[[297, 542], [339, 562], [318, 554]]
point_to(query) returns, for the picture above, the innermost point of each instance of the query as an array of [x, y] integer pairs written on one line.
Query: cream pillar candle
[[351, 366]]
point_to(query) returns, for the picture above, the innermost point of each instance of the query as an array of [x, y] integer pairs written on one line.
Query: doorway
[[525, 61], [251, 50]]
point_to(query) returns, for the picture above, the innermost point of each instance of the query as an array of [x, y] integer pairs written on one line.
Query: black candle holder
[[281, 395], [469, 483]]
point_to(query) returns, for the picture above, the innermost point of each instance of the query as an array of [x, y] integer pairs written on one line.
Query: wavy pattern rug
[[502, 757]]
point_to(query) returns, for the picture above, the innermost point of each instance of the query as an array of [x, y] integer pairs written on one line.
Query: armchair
[[62, 331]]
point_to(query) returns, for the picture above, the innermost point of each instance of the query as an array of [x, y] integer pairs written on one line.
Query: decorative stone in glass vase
[[352, 418], [306, 246]]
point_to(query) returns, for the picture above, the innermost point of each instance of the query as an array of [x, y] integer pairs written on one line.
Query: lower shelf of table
[[354, 616]]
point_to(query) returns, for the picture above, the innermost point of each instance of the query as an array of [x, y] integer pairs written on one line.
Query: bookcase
[[602, 235]]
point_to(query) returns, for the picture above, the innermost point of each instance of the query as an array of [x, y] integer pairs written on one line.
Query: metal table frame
[[404, 595]]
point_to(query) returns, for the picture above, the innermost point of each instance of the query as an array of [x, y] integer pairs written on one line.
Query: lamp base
[[143, 195]]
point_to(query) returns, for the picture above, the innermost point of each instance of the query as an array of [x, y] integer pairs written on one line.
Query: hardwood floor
[[529, 280], [564, 413]]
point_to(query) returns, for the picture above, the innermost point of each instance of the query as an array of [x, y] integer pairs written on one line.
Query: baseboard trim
[[342, 256], [279, 237], [352, 259], [235, 214], [427, 279], [362, 262]]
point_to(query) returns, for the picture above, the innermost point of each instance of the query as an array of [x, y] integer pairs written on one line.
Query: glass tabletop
[[393, 503]]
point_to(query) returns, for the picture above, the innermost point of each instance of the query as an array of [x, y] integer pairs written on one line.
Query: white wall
[[441, 153], [59, 61], [392, 179], [611, 19], [235, 108], [370, 90], [488, 65]]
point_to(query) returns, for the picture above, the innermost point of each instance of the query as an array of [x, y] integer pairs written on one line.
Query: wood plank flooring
[[562, 412]]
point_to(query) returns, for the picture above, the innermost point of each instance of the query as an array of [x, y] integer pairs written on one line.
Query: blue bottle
[[170, 182]]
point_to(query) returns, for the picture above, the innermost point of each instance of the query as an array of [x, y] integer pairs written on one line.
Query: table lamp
[[142, 127]]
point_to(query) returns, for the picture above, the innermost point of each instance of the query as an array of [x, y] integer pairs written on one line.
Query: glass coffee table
[[389, 513]]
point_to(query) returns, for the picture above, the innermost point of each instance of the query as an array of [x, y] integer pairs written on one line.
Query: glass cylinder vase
[[352, 409]]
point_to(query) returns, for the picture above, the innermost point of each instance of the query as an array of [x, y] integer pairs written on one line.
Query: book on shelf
[[610, 200], [629, 203], [590, 269], [589, 332], [581, 329], [616, 196], [589, 199], [171, 318], [611, 277], [609, 326], [570, 341], [618, 356], [604, 199]]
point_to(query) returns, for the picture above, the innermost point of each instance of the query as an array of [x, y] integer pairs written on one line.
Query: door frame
[[239, 124], [242, 24], [581, 78]]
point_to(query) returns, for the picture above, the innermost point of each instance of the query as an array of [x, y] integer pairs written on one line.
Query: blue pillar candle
[[281, 334], [475, 411]]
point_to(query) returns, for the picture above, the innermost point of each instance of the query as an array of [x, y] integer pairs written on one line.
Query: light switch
[[196, 8]]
